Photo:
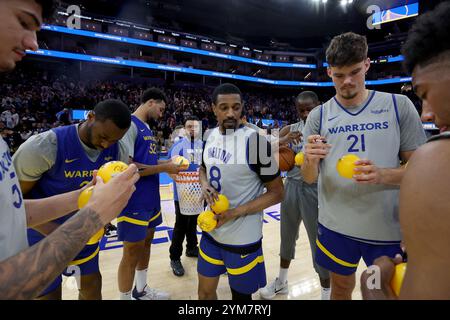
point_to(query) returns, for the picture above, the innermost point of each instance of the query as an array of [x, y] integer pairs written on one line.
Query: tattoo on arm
[[27, 274]]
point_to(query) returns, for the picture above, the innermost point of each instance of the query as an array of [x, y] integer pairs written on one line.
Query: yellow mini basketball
[[83, 199], [345, 166], [206, 221], [96, 237], [299, 158], [181, 161], [221, 205], [111, 168], [397, 279]]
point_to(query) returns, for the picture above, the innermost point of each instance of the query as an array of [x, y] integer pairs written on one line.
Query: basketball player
[[233, 158], [63, 160], [137, 223], [299, 203], [357, 217], [186, 222], [424, 211], [25, 272]]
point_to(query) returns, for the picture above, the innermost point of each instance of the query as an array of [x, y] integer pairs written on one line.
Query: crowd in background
[[34, 101]]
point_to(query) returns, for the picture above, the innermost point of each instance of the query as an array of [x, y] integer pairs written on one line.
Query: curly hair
[[428, 39]]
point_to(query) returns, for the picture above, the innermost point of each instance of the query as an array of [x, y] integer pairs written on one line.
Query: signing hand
[[209, 194], [316, 148]]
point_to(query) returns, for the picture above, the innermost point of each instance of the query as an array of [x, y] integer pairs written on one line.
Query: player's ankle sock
[[325, 293], [141, 279], [283, 275], [125, 295]]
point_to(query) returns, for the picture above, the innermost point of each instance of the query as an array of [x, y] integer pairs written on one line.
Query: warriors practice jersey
[[378, 130], [237, 165]]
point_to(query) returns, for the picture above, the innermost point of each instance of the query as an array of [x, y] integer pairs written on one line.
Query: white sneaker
[[272, 289], [150, 294]]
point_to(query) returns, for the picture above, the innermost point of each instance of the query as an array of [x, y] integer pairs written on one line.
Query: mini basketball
[[397, 279], [220, 205], [286, 158], [206, 221], [109, 169]]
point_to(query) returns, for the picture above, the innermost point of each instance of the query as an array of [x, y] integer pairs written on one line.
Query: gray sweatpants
[[300, 203]]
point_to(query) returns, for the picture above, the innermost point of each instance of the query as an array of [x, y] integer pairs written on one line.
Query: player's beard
[[89, 143], [348, 95], [229, 124]]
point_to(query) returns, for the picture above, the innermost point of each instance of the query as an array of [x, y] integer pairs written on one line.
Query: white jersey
[[13, 222], [233, 170]]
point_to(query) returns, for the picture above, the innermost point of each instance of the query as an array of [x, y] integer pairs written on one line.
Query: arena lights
[[155, 66], [346, 2], [140, 28]]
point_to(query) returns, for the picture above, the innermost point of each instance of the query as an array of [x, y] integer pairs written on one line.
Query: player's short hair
[[114, 110], [308, 95], [429, 38], [191, 118], [153, 94], [347, 49], [48, 7], [225, 88]]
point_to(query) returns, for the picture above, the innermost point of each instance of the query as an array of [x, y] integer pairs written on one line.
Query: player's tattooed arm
[[27, 274]]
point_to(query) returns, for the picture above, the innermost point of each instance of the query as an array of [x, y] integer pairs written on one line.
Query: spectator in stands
[[64, 116]]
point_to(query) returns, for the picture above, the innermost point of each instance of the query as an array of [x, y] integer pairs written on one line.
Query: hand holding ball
[[106, 172], [206, 220], [181, 161]]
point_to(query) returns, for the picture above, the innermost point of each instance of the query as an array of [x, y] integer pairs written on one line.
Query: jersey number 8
[[214, 178]]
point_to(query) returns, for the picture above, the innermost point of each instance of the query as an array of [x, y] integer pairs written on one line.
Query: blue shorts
[[85, 263], [246, 272], [341, 254], [133, 226]]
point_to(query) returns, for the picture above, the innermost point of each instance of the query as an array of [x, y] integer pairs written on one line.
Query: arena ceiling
[[282, 24]]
